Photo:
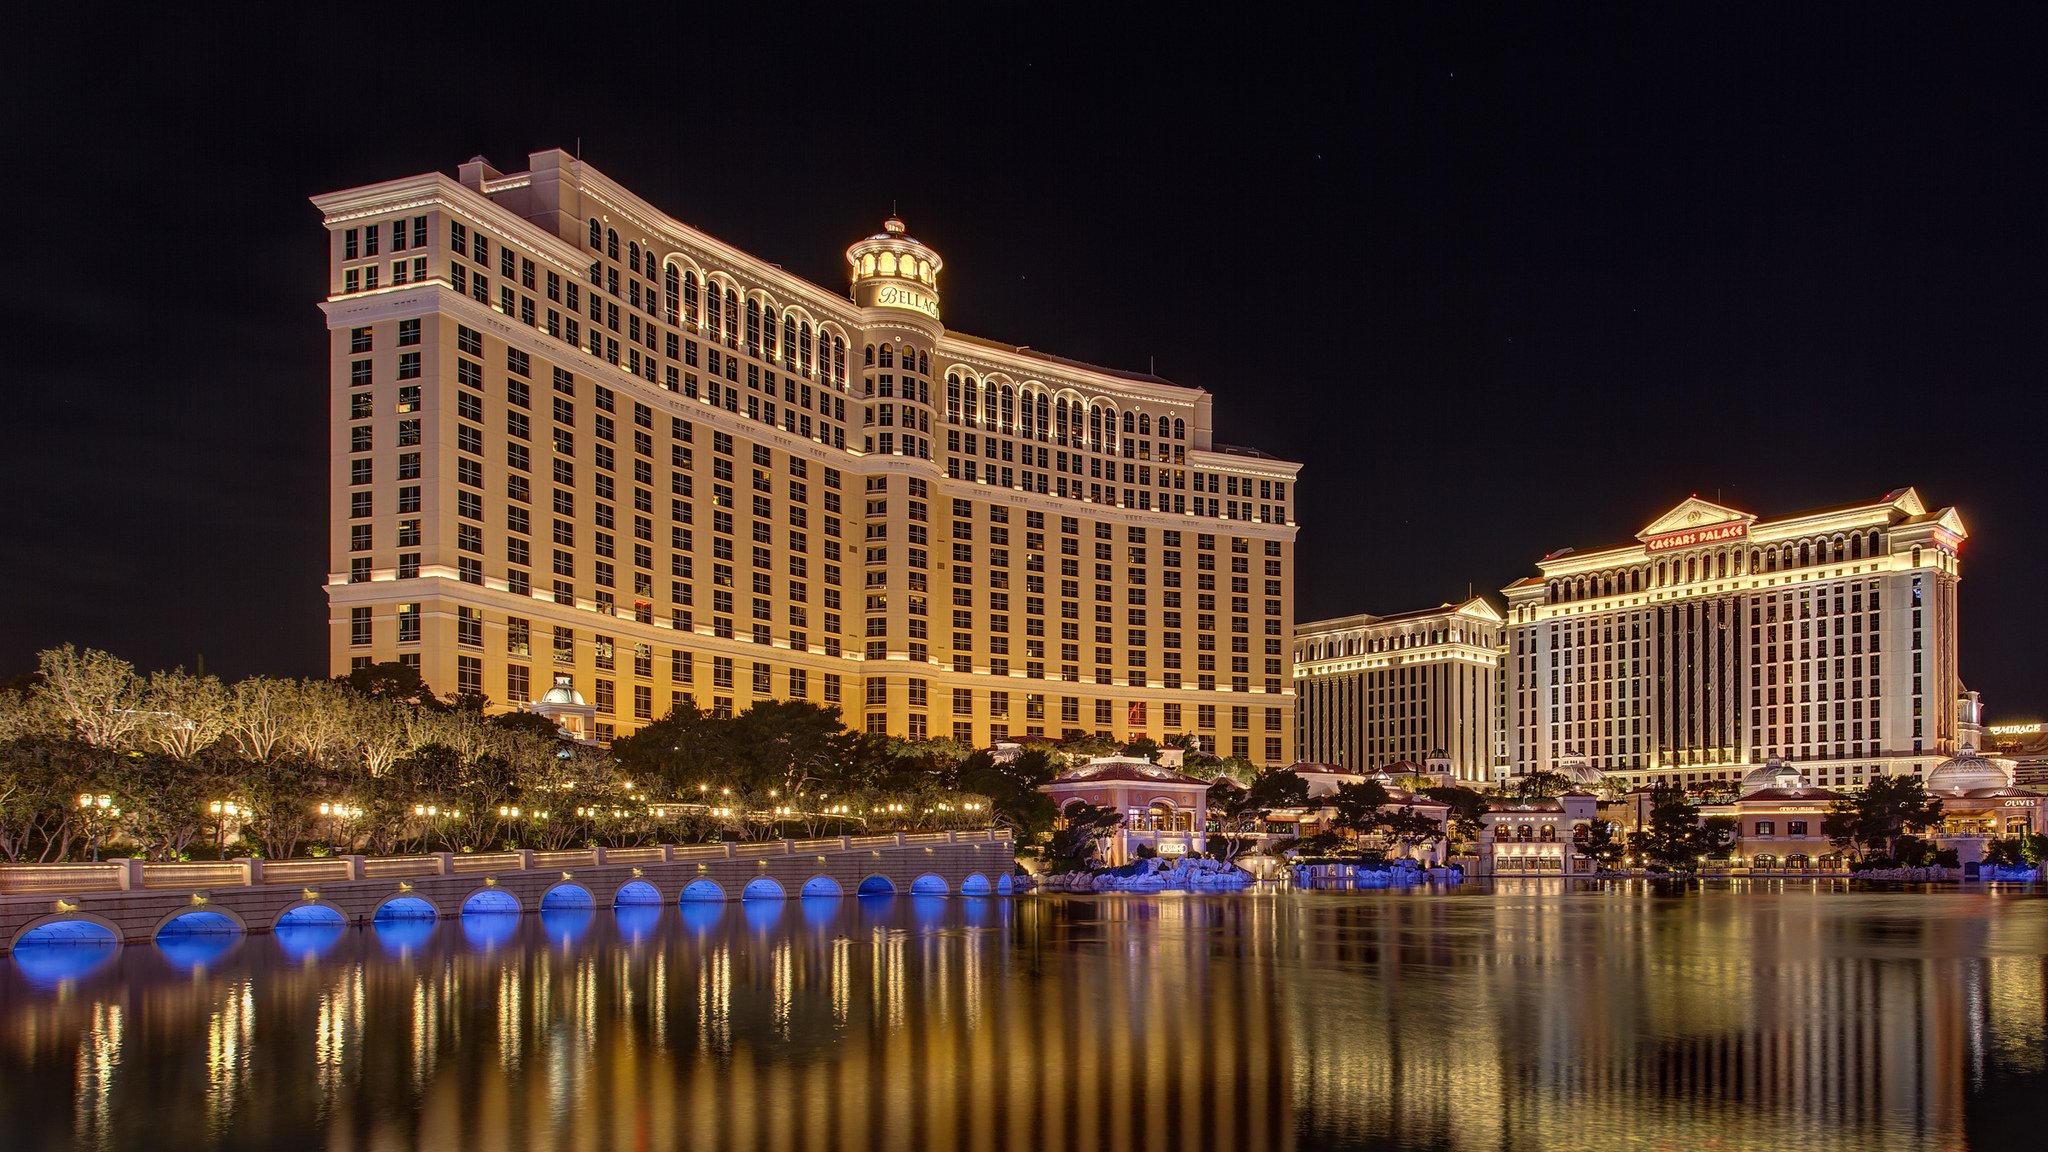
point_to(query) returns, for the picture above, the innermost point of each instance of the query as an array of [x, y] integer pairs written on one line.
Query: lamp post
[[222, 810], [96, 808]]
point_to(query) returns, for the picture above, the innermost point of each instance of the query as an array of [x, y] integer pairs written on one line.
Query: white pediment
[[1693, 513], [1478, 607]]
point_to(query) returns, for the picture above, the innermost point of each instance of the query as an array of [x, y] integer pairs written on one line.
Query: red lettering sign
[[1712, 534]]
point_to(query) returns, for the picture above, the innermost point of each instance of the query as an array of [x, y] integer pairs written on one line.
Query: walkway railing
[[133, 875]]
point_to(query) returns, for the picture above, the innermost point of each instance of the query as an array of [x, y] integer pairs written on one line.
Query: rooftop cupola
[[893, 270]]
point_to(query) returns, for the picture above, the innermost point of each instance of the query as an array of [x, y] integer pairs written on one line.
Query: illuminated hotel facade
[[1375, 690], [577, 441], [1717, 640]]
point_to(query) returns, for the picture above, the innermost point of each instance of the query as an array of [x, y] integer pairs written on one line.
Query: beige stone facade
[[1717, 640], [572, 436], [1375, 690]]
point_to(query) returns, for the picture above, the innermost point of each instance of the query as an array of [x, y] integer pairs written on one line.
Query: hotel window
[[359, 626], [408, 623]]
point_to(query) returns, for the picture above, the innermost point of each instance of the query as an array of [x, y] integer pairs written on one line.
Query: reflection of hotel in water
[[1727, 1032], [1248, 1023]]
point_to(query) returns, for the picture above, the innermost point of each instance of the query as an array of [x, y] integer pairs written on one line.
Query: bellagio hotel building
[[1716, 640], [577, 441]]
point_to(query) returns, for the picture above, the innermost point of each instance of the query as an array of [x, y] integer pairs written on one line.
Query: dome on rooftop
[[1967, 771], [1772, 773], [563, 692], [1579, 771]]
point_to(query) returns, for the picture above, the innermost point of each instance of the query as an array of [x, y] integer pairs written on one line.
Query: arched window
[[924, 364], [1009, 423], [1524, 832], [1550, 833], [1130, 423], [1025, 424], [952, 399], [1180, 429], [691, 314], [1094, 429], [789, 345], [972, 395], [888, 357], [633, 255], [611, 243], [803, 347], [596, 235], [714, 310], [839, 360], [1044, 411], [754, 327], [732, 317], [671, 293]]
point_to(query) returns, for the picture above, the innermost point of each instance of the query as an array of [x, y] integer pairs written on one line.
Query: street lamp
[[222, 810], [96, 809]]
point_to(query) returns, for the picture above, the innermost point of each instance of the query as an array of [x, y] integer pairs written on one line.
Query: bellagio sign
[[1711, 534]]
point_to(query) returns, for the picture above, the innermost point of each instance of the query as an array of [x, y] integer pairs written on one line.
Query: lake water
[[1519, 1015]]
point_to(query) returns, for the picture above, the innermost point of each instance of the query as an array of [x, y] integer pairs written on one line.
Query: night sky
[[1505, 280]]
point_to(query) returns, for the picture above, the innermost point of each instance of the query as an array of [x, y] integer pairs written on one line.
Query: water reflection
[[1524, 1017]]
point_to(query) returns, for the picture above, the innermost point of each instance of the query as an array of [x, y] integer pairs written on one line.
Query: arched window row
[[1030, 411], [1718, 565], [890, 264]]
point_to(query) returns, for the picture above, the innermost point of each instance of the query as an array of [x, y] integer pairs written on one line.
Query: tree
[[1076, 844], [1142, 747], [185, 714], [1358, 805], [1601, 841], [1676, 838], [259, 717], [96, 696], [2025, 850], [1012, 789], [1077, 742], [40, 779], [281, 793], [1277, 788], [1541, 784], [1410, 829], [1872, 821], [1466, 807], [166, 800], [394, 681]]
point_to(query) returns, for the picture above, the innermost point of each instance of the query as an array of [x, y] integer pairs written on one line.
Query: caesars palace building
[[580, 445], [1712, 643], [1717, 640]]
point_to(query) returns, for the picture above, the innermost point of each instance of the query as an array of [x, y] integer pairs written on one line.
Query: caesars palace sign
[[1711, 534]]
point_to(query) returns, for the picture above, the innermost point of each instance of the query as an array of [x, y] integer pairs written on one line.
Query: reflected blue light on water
[[764, 916], [701, 917], [488, 930], [189, 950], [405, 934], [637, 921], [46, 965], [565, 926], [1516, 1017], [820, 910], [308, 941]]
